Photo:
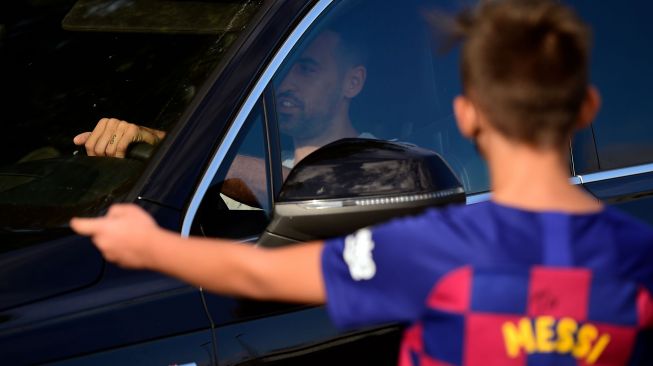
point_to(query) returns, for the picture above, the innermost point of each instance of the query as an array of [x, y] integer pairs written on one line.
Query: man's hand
[[124, 236], [111, 137]]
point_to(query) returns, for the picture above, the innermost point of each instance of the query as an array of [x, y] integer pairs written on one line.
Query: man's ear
[[466, 116], [355, 81], [589, 108]]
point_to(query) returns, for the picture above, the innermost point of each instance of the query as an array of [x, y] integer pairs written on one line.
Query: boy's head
[[525, 68]]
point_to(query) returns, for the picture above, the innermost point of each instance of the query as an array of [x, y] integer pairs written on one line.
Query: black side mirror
[[353, 183]]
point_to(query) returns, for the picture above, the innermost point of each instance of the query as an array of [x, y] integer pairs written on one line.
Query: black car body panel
[[61, 303], [60, 266], [108, 308]]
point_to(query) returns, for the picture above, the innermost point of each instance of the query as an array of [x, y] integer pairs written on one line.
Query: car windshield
[[64, 65]]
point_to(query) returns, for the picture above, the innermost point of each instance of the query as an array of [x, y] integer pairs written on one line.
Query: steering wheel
[[141, 151]]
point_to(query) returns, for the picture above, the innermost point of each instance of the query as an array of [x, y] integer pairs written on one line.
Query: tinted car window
[[407, 87], [66, 64], [237, 203], [621, 60]]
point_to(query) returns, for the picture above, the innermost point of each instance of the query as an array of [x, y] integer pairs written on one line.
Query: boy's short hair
[[525, 64]]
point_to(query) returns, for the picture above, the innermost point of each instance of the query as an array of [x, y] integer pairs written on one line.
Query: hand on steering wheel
[[111, 137]]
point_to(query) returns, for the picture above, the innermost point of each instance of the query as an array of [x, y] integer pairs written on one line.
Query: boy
[[543, 273]]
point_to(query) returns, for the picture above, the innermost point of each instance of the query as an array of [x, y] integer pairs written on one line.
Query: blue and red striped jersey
[[488, 284]]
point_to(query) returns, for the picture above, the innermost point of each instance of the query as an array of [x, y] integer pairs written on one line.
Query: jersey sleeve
[[384, 274]]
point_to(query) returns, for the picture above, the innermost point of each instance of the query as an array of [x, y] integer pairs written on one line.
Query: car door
[[407, 97]]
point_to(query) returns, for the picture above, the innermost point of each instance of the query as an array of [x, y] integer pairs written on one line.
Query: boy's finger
[[86, 227], [121, 209]]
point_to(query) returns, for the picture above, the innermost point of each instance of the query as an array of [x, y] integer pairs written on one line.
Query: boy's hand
[[124, 236], [111, 137]]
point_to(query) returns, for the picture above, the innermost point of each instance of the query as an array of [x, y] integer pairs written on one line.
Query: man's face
[[308, 96]]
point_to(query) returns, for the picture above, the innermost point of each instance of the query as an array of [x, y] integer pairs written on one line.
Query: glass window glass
[[621, 61], [237, 203], [66, 64], [368, 69]]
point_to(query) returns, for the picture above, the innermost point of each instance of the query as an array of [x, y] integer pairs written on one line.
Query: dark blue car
[[207, 74]]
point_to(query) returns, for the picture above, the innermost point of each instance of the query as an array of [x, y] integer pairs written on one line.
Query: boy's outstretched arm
[[128, 236]]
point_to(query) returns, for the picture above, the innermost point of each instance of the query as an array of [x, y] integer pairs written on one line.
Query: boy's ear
[[466, 116], [589, 108], [355, 81]]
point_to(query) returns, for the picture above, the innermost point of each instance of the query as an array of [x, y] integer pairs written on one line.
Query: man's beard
[[301, 126]]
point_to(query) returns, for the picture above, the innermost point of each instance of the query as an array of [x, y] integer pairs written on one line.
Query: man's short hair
[[525, 64], [352, 36]]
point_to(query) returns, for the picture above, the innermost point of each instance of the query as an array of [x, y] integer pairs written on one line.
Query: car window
[[406, 97], [66, 64], [237, 203], [621, 59], [369, 70]]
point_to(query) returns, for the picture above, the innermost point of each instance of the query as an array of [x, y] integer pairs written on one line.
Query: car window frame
[[247, 106], [261, 90]]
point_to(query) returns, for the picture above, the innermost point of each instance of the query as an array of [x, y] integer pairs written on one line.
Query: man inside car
[[312, 105]]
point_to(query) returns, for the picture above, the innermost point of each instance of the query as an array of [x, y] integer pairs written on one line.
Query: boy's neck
[[535, 179]]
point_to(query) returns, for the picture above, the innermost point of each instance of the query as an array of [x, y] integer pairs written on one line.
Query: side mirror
[[353, 183]]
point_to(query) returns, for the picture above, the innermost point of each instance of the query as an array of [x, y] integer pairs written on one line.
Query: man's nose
[[288, 82]]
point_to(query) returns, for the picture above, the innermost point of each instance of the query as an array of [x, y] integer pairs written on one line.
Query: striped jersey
[[488, 284]]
